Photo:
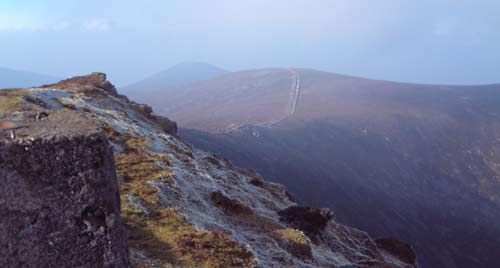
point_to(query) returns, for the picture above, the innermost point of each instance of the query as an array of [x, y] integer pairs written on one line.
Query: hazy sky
[[430, 41]]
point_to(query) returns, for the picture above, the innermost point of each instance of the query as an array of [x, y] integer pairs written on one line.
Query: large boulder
[[309, 220], [59, 199]]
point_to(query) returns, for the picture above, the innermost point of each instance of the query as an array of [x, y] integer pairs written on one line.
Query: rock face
[[59, 200]]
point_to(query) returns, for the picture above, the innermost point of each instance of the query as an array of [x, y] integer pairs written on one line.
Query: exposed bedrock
[[59, 200]]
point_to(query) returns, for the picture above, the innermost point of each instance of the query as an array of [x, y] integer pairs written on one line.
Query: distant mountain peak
[[194, 63], [178, 75]]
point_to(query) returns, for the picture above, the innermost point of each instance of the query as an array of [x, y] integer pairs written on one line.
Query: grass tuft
[[294, 242]]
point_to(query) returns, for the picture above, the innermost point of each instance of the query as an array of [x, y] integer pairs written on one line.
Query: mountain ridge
[[374, 151]]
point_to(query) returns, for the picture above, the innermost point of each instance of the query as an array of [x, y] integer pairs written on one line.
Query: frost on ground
[[184, 207]]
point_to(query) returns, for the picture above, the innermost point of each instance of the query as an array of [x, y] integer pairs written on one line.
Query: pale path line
[[291, 106], [293, 99], [234, 128], [295, 92]]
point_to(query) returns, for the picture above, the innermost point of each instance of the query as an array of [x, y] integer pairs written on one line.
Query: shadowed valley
[[420, 162]]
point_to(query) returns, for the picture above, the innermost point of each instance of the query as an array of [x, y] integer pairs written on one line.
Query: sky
[[424, 41]]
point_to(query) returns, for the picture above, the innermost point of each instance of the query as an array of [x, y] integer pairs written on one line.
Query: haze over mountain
[[283, 167], [178, 75], [420, 162], [15, 79]]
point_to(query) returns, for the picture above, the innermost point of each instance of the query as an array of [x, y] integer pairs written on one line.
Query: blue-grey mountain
[[17, 79]]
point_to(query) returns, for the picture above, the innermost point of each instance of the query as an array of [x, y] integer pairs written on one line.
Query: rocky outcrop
[[59, 200], [88, 82], [96, 85], [167, 125], [309, 220]]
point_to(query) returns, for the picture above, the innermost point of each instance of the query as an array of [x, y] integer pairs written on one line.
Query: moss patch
[[136, 143], [139, 169], [158, 232], [292, 235], [170, 241], [294, 242]]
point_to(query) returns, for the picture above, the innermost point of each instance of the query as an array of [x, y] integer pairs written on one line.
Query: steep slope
[[178, 75], [183, 207], [419, 162], [17, 79], [229, 101]]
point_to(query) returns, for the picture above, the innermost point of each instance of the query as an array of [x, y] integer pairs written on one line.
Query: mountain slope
[[183, 207], [420, 162], [17, 79], [178, 75]]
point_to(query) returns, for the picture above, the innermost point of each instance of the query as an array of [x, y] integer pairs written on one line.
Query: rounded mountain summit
[[419, 162]]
